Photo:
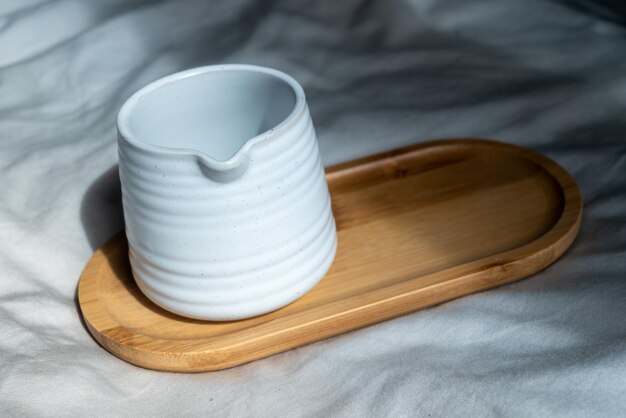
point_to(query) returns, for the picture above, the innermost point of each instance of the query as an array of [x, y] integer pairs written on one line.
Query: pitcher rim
[[127, 109]]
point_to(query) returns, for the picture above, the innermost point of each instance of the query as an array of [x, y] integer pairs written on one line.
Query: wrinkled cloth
[[547, 75]]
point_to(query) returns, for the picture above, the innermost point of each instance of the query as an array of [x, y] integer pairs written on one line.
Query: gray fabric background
[[378, 74]]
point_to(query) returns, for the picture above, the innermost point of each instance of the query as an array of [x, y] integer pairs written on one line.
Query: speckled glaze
[[226, 206]]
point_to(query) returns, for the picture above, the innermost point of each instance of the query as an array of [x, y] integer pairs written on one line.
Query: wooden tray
[[417, 227]]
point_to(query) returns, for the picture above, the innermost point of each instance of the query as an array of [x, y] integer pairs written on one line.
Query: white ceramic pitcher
[[226, 206]]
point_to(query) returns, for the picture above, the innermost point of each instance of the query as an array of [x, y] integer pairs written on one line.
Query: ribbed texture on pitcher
[[224, 250]]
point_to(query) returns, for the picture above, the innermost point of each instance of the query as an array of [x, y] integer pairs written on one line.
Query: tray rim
[[243, 346]]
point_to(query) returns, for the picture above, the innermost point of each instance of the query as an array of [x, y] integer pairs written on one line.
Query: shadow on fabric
[[101, 209]]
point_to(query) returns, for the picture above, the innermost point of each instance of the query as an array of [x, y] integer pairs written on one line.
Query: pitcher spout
[[223, 171]]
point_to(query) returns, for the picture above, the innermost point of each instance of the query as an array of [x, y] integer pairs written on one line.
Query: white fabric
[[378, 75]]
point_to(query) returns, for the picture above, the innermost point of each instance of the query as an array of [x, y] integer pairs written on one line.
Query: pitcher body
[[226, 206]]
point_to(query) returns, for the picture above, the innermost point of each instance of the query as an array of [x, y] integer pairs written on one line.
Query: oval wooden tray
[[417, 226]]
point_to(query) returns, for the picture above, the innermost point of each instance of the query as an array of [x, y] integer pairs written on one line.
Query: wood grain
[[416, 227]]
